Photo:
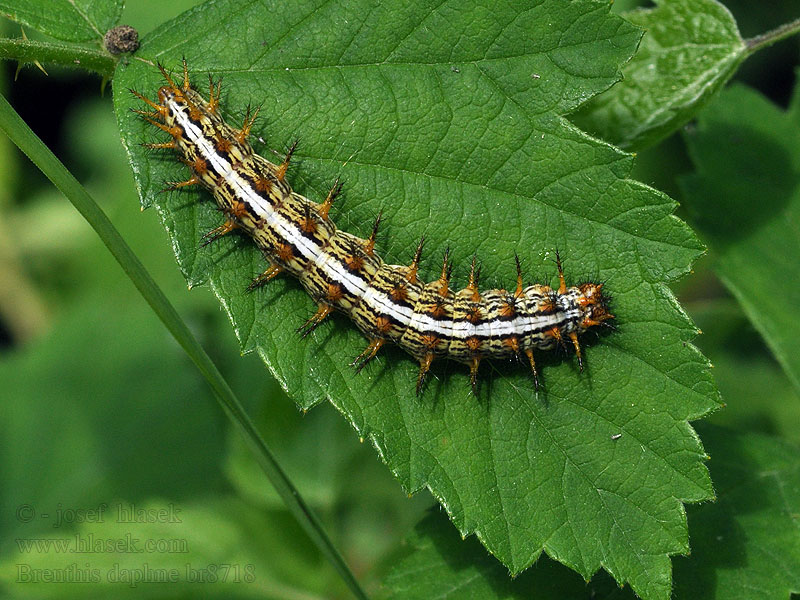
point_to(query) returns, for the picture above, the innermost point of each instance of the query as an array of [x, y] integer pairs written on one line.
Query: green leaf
[[98, 392], [69, 20], [743, 369], [351, 491], [164, 549], [449, 119], [439, 564], [689, 50], [746, 545], [747, 203]]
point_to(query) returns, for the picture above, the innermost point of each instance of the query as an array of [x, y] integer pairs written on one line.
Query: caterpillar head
[[594, 304]]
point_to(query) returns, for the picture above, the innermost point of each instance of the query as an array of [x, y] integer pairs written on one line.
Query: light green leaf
[[68, 20], [448, 117], [689, 50], [746, 545], [747, 203], [165, 549], [98, 394], [743, 369]]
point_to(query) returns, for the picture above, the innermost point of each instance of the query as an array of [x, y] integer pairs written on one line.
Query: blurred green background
[[101, 407]]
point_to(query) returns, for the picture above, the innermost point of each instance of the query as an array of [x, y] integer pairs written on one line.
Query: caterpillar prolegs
[[388, 303]]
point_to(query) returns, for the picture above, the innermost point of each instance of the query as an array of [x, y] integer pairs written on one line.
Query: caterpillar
[[340, 271]]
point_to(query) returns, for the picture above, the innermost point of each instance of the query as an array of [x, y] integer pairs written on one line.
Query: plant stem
[[27, 141], [61, 54], [770, 37]]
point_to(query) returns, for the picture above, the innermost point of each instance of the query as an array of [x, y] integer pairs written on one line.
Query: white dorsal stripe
[[376, 300]]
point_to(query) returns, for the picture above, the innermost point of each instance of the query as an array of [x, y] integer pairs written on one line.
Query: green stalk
[[27, 141], [68, 55], [764, 40]]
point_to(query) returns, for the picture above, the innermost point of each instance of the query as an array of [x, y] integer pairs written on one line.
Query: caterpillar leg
[[160, 110], [413, 268], [369, 247], [424, 367], [160, 146], [176, 185], [322, 313], [325, 207], [244, 132], [234, 213], [474, 277], [219, 232], [368, 354], [272, 271], [473, 373], [214, 93], [447, 271], [555, 333], [284, 166], [186, 85], [574, 337], [529, 354], [519, 292], [562, 285]]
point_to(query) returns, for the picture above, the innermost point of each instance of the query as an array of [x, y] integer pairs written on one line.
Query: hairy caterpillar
[[388, 303]]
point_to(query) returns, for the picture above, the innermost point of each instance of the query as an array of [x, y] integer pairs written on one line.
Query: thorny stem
[[68, 55]]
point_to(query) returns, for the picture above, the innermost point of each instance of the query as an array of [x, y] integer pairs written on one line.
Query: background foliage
[[134, 424]]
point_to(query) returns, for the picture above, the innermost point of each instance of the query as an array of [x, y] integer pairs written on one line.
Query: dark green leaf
[[441, 565], [351, 491], [448, 118], [746, 201], [746, 545], [689, 50], [69, 20], [758, 395]]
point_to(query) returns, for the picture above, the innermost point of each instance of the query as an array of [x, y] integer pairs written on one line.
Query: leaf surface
[[689, 50], [68, 20], [744, 368], [746, 201], [439, 564], [746, 545], [447, 117]]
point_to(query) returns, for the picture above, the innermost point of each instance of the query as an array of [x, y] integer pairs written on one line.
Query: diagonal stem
[[67, 55], [770, 37], [27, 141]]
